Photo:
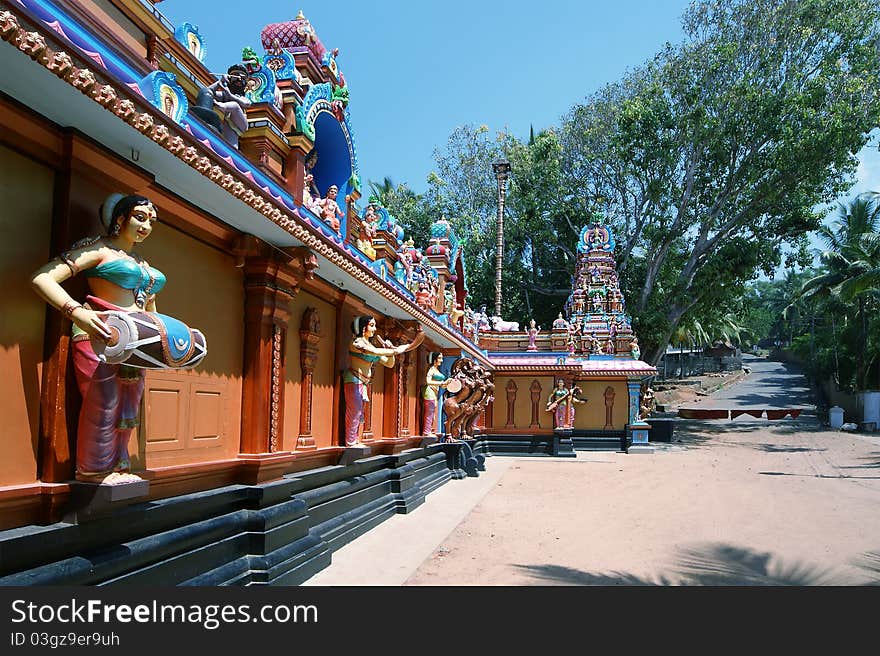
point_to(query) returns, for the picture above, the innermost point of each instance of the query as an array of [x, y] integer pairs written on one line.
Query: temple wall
[[413, 394], [378, 400], [588, 416], [194, 415], [26, 194], [591, 415], [522, 417], [322, 378]]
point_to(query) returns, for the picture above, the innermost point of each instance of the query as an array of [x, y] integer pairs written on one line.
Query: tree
[[715, 153], [540, 230], [851, 274]]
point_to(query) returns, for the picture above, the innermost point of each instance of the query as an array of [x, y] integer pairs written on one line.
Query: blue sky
[[418, 69]]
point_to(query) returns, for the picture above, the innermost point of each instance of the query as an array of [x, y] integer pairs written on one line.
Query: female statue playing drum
[[121, 282]]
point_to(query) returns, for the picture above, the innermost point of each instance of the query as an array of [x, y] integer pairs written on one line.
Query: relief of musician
[[561, 403], [366, 349], [117, 324]]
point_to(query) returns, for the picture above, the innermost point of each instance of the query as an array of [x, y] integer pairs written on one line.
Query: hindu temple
[[212, 340]]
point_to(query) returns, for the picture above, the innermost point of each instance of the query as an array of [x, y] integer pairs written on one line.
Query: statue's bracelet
[[69, 308]]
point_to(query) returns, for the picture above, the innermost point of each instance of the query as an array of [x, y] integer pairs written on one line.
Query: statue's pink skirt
[[111, 395]]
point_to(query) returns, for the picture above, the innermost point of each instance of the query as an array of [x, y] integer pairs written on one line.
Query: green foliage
[[411, 210], [715, 153], [705, 160], [849, 282]]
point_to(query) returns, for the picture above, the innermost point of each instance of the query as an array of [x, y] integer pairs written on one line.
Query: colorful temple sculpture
[[225, 341], [580, 383]]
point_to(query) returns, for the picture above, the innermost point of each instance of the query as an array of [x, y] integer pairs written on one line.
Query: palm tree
[[852, 268], [383, 191]]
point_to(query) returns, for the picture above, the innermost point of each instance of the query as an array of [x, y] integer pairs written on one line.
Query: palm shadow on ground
[[694, 433], [873, 462], [717, 564]]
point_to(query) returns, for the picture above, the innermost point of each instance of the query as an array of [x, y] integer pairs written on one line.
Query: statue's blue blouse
[[129, 275]]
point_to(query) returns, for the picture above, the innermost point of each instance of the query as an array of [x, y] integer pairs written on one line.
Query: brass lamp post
[[502, 172]]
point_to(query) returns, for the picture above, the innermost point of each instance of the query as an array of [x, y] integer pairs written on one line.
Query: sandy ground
[[742, 502]]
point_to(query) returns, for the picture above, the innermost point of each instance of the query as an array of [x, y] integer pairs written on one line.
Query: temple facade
[[267, 247]]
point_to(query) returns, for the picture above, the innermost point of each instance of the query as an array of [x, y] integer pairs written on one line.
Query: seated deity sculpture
[[330, 211], [227, 95]]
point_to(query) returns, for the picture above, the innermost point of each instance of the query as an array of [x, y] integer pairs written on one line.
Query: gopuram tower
[[597, 323], [579, 383]]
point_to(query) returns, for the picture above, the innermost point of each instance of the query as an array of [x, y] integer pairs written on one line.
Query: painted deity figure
[[434, 380], [423, 296], [533, 334], [634, 349], [593, 344], [597, 303], [609, 346], [330, 211], [228, 94], [367, 232], [647, 402], [561, 403], [594, 238], [119, 280], [309, 200], [577, 299], [366, 349]]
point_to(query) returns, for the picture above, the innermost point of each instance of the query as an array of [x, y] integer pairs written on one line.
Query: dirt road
[[742, 502]]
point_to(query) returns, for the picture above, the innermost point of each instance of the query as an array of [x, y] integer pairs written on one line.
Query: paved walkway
[[775, 385], [742, 502]]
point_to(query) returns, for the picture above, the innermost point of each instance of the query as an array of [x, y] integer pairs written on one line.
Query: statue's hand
[[91, 322]]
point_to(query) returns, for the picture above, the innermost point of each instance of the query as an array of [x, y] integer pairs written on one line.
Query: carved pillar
[[294, 166], [310, 337], [271, 279], [154, 51], [511, 402], [58, 416], [535, 391], [609, 407], [395, 410], [635, 392], [403, 399]]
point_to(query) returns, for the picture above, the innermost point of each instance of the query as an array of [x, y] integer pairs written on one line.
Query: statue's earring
[[117, 228]]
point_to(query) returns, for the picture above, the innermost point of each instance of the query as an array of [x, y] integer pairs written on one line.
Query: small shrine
[[582, 380]]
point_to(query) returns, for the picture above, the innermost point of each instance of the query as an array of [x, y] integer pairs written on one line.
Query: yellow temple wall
[[591, 415], [26, 194], [323, 378], [194, 415], [588, 416]]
